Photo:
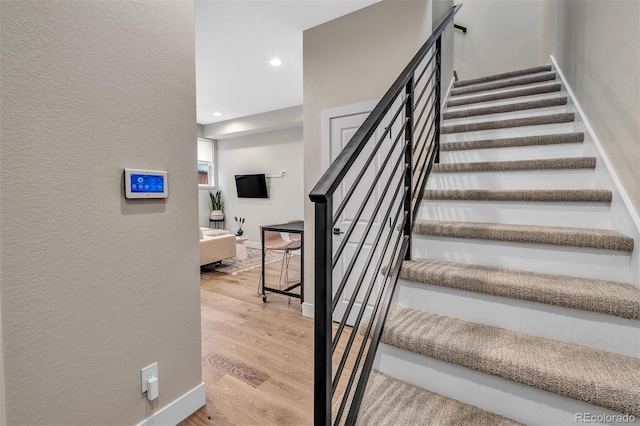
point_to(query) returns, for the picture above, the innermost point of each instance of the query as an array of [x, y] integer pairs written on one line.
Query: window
[[205, 162]]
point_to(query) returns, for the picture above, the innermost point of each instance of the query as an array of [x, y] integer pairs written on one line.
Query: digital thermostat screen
[[147, 183]]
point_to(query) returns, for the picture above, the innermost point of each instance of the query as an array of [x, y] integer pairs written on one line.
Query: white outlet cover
[[153, 369]]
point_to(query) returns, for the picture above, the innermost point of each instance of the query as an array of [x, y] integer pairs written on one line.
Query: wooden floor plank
[[257, 358]]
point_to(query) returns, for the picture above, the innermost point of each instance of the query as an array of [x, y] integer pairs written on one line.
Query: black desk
[[292, 228]]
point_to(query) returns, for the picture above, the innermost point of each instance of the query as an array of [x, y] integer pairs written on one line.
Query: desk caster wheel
[[264, 299]]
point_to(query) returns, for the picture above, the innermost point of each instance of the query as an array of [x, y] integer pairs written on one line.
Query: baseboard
[[253, 244], [596, 141], [624, 217], [446, 96], [179, 409], [307, 310]]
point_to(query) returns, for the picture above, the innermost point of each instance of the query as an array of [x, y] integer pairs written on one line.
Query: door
[[340, 126]]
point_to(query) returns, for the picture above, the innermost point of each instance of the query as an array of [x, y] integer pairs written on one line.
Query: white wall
[[353, 59], [266, 153], [204, 207], [597, 45], [502, 36], [94, 286]]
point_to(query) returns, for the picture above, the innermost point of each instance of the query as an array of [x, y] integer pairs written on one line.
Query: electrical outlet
[[148, 372]]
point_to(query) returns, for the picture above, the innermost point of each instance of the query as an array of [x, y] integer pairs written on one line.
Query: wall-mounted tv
[[251, 186]]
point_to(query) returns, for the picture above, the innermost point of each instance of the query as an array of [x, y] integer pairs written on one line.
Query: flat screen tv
[[251, 186]]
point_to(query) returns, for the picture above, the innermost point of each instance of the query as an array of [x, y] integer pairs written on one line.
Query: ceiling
[[235, 41]]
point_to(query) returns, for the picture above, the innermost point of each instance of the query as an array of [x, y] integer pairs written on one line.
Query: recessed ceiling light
[[276, 62], [217, 114]]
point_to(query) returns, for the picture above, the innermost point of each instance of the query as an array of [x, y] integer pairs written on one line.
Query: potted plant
[[216, 205]]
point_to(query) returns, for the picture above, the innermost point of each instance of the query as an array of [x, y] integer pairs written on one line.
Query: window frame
[[211, 175]]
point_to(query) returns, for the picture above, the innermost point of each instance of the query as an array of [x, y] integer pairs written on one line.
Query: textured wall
[[95, 287], [597, 45], [353, 59]]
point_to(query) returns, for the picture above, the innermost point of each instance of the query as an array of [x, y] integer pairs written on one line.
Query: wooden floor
[[257, 358]]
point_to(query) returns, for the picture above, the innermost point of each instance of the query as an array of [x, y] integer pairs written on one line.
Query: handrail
[[329, 181], [460, 27], [395, 151]]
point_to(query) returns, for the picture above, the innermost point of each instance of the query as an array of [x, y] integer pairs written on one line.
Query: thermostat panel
[[145, 183]]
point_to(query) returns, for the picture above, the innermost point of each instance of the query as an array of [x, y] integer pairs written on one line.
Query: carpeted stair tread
[[529, 91], [533, 195], [517, 165], [498, 109], [531, 234], [559, 138], [389, 402], [504, 84], [537, 120], [607, 297], [598, 377], [502, 76]]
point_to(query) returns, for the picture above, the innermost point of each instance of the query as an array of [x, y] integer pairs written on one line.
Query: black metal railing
[[365, 205]]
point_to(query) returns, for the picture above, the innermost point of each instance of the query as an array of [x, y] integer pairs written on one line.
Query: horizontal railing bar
[[374, 152], [428, 145], [363, 308], [375, 340], [368, 330], [423, 177], [430, 101], [423, 144], [366, 198], [345, 277], [330, 180], [424, 89], [421, 174], [362, 276], [417, 80], [417, 197], [423, 109], [425, 126]]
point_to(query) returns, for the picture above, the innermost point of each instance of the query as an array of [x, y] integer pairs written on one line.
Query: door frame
[[328, 115]]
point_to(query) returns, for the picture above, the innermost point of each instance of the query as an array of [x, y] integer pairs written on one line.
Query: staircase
[[520, 303]]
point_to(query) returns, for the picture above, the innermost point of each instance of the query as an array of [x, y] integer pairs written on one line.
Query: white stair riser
[[510, 132], [525, 179], [519, 99], [575, 261], [584, 215], [585, 328], [523, 403], [509, 115], [502, 90], [532, 152]]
